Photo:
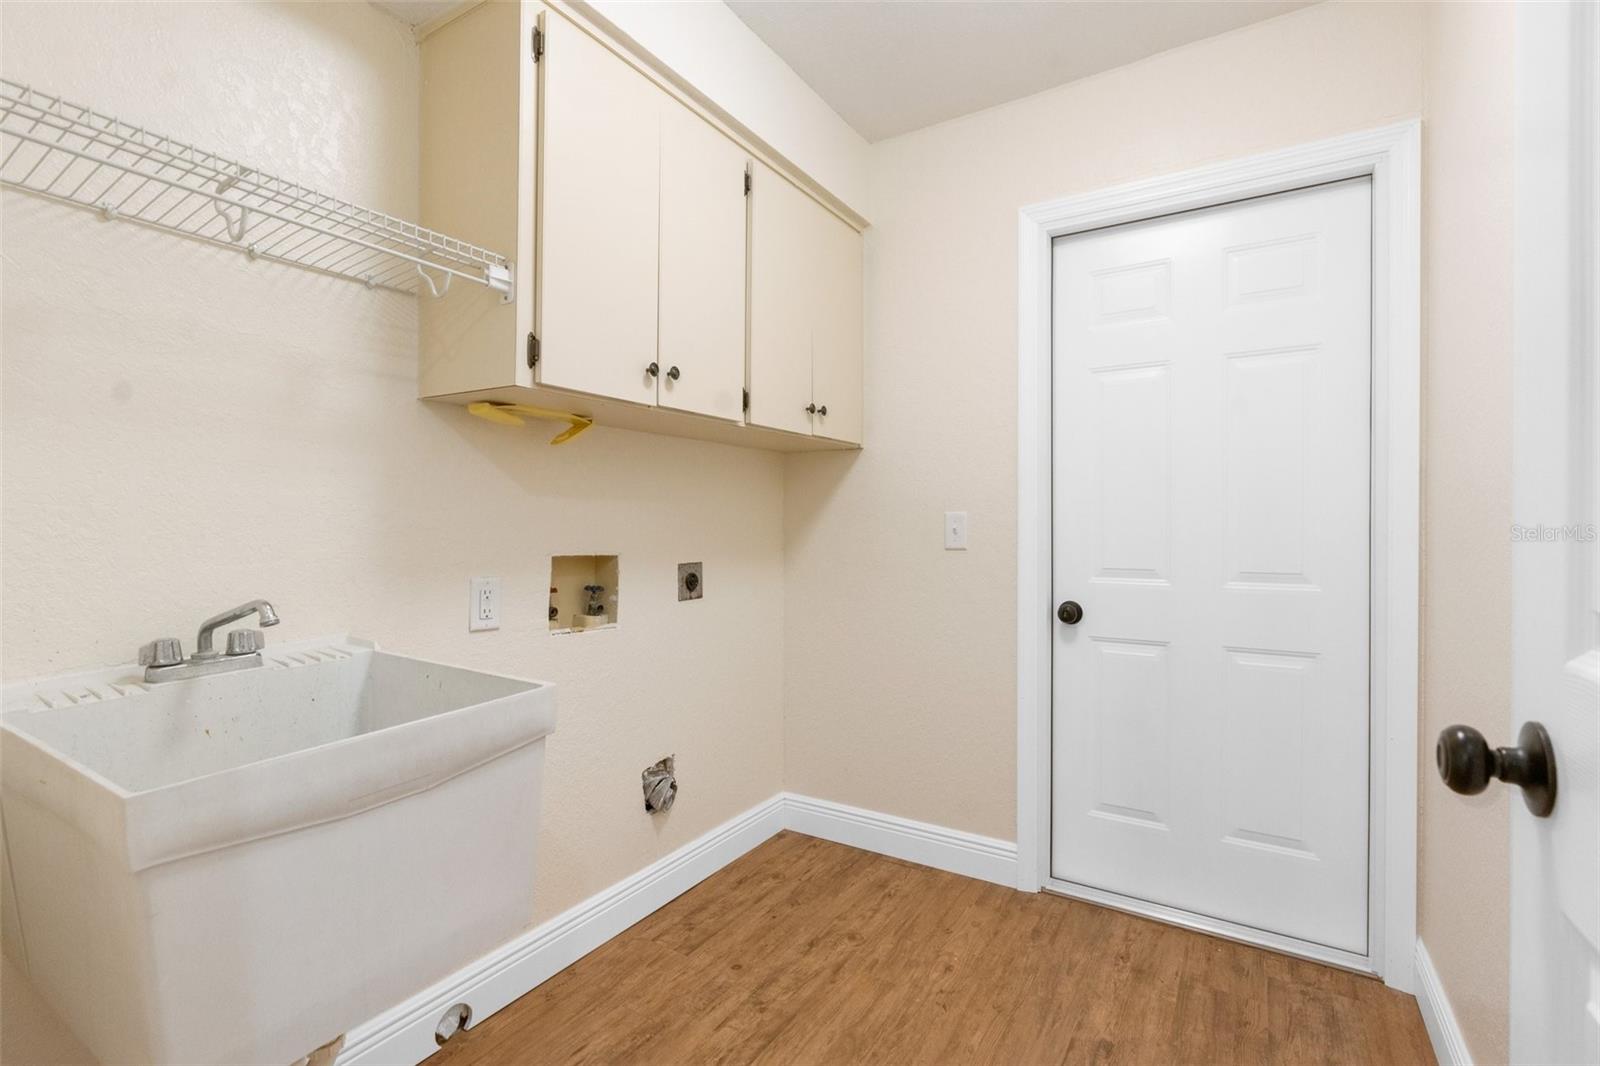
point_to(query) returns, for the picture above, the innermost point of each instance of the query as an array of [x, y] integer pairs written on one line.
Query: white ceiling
[[416, 12], [891, 66]]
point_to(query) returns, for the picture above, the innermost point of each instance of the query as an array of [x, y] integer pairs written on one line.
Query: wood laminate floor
[[809, 952]]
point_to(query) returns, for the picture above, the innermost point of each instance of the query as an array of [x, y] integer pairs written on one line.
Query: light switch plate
[[483, 604], [955, 531]]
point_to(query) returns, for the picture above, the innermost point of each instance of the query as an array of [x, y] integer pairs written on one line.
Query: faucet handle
[[245, 641], [163, 651]]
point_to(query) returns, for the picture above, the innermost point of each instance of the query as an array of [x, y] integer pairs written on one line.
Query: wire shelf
[[70, 153]]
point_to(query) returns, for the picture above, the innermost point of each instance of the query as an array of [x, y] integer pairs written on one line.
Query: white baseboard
[[1449, 1045], [968, 854], [403, 1035]]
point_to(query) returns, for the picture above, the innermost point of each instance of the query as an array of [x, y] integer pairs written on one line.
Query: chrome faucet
[[163, 659], [202, 643]]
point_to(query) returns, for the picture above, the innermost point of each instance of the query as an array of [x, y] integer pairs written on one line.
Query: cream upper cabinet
[[836, 333], [600, 205], [701, 336], [805, 313], [651, 291], [783, 289]]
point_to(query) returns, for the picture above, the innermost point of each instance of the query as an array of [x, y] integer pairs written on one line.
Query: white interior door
[[1555, 861], [1211, 516]]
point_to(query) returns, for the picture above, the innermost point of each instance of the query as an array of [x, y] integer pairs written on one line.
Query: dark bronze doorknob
[[1069, 612], [1467, 764]]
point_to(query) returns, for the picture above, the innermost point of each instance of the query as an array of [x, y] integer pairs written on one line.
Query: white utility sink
[[239, 868]]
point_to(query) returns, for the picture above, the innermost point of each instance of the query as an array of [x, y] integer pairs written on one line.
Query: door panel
[[702, 266], [1132, 717], [600, 200], [836, 336], [1212, 439], [783, 295], [1133, 477]]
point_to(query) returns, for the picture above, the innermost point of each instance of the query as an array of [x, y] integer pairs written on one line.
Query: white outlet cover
[[955, 531], [483, 604]]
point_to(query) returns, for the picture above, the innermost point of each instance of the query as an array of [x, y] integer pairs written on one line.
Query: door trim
[[1391, 157]]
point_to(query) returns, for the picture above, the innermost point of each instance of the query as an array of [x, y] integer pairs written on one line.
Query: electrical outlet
[[483, 604], [691, 581], [955, 531]]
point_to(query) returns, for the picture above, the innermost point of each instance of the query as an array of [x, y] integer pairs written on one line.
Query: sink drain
[[452, 1022]]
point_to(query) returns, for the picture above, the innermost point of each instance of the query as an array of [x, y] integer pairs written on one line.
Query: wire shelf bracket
[[72, 154]]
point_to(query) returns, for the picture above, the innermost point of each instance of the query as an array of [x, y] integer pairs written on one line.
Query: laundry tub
[[239, 868]]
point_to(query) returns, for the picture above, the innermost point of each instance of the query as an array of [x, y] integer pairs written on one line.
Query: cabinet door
[[599, 162], [783, 288], [836, 331], [702, 266]]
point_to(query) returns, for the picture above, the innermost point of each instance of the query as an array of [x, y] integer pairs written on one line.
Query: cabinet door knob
[[653, 369], [823, 410], [672, 372], [811, 408], [1467, 764]]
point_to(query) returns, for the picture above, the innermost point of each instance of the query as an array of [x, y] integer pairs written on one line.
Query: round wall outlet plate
[[691, 581]]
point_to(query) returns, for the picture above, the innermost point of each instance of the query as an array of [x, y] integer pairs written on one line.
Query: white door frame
[[1391, 156]]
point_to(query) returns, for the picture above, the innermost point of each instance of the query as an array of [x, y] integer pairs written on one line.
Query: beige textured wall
[[184, 429], [900, 691], [900, 657], [1466, 622]]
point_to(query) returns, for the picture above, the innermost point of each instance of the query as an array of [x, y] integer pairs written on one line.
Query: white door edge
[[1205, 923], [1554, 866], [1391, 156]]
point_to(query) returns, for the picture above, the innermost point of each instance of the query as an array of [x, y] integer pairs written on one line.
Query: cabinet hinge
[[533, 351], [536, 45], [747, 183]]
